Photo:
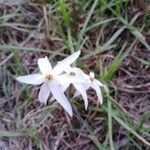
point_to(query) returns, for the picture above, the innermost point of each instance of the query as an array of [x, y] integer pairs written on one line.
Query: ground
[[113, 37]]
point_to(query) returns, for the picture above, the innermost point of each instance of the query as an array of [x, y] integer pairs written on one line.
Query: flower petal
[[82, 75], [59, 68], [52, 99], [65, 63], [96, 82], [70, 59], [77, 79], [60, 97], [64, 86], [63, 80], [44, 65], [68, 79], [106, 88], [82, 91], [76, 94], [98, 92], [34, 79], [44, 93], [92, 75]]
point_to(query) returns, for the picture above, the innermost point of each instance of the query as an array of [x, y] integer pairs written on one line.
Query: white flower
[[73, 76], [93, 83], [50, 79]]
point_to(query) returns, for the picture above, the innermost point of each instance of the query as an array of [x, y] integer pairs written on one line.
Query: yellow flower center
[[92, 79], [49, 77], [72, 73]]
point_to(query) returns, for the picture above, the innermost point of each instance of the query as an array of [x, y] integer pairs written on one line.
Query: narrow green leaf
[[118, 60], [86, 23], [113, 38], [110, 124], [18, 48], [64, 12], [130, 130]]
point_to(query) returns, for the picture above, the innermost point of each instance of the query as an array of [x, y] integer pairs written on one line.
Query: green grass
[[110, 36]]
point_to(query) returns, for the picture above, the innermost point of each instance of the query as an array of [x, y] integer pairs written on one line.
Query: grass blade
[[10, 47], [113, 38], [64, 12], [86, 23], [110, 124], [118, 60]]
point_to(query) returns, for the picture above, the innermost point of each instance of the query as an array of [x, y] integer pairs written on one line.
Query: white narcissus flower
[[50, 79], [93, 83], [73, 76], [58, 79]]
